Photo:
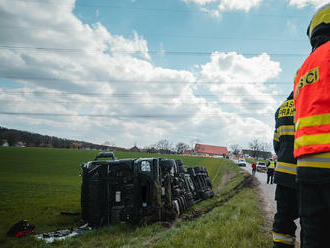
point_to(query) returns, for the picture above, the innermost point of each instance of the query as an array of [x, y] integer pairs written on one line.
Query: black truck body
[[138, 191]]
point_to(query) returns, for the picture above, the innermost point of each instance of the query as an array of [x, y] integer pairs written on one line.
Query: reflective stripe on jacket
[[286, 167], [319, 160], [312, 102]]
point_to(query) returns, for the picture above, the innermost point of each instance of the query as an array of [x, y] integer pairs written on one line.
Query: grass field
[[36, 184]]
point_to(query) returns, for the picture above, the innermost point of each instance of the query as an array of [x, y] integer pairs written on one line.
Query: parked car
[[241, 162], [261, 167]]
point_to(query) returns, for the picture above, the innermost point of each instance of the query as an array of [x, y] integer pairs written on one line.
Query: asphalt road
[[268, 194]]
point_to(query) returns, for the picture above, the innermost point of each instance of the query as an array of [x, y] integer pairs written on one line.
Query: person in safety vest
[[286, 195], [270, 171], [312, 134]]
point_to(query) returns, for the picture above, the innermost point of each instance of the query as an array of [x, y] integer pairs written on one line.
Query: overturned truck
[[141, 190]]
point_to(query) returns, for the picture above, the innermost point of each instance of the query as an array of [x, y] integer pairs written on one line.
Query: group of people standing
[[302, 145]]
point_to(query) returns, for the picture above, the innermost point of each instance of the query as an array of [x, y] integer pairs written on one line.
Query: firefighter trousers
[[314, 212], [284, 227]]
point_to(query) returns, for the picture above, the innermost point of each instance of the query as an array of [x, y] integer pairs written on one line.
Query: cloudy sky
[[138, 71]]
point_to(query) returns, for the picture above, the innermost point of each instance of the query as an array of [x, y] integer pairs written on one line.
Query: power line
[[116, 116], [146, 103], [267, 15], [127, 94], [201, 53], [172, 35], [8, 76]]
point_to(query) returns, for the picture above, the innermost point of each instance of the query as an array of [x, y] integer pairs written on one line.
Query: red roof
[[216, 150]]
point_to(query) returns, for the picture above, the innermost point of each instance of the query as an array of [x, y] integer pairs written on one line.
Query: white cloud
[[119, 45], [216, 7], [201, 2], [241, 80], [304, 3], [225, 5], [116, 80]]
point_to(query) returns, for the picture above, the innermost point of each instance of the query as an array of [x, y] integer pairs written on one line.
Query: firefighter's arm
[[276, 138], [276, 141]]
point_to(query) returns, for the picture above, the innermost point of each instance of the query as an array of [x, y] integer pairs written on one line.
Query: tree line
[[15, 137]]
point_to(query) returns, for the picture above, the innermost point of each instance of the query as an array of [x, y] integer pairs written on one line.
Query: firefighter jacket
[[312, 102], [285, 171], [312, 121]]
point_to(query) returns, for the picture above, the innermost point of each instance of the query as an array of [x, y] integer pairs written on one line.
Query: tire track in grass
[[247, 182]]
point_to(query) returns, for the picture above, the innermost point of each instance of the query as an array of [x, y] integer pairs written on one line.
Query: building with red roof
[[209, 150]]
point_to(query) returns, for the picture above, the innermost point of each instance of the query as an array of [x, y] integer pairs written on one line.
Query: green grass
[[36, 184]]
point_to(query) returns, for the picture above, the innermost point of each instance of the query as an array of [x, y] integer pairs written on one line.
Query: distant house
[[210, 150], [77, 145], [134, 149], [5, 142]]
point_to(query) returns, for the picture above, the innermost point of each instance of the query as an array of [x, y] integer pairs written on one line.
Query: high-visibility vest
[[312, 103], [271, 165]]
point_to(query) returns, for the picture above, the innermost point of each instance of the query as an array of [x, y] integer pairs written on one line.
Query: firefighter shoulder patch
[[308, 78]]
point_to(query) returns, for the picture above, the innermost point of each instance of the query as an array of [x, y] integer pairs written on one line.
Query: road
[[268, 195]]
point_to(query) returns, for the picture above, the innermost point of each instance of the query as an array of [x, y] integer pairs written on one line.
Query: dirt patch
[[268, 213], [227, 177]]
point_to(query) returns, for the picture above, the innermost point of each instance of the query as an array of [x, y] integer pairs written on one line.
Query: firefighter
[[286, 195], [270, 171], [312, 135]]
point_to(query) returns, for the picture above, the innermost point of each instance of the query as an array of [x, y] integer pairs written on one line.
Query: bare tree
[[164, 146], [181, 147], [235, 149], [267, 146], [108, 143], [255, 145]]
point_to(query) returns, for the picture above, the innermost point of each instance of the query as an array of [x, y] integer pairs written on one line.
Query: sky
[[133, 72]]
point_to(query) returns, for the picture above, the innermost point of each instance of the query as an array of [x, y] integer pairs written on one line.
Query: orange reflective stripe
[[312, 130], [311, 149]]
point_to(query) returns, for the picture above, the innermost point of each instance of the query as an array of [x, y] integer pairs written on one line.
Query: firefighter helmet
[[320, 23]]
